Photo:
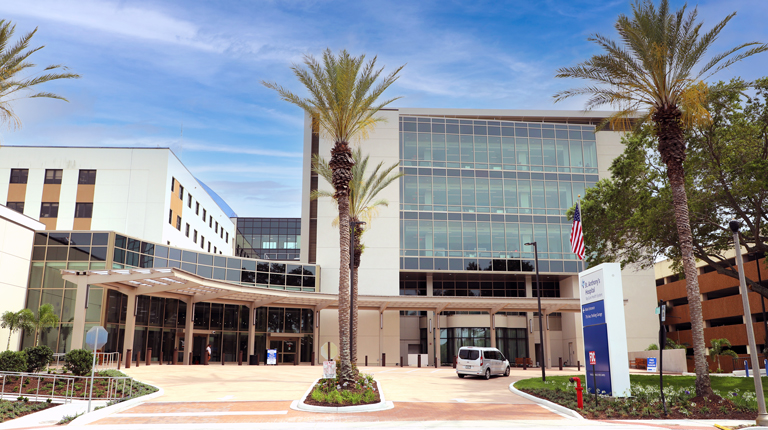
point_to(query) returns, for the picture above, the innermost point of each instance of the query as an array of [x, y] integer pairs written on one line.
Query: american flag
[[577, 238]]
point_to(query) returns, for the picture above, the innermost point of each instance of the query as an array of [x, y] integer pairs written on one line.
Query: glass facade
[[158, 320], [268, 238], [512, 342], [475, 191]]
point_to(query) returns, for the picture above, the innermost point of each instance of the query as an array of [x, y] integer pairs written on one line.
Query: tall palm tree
[[363, 206], [15, 321], [45, 318], [13, 63], [720, 347], [652, 70], [343, 104]]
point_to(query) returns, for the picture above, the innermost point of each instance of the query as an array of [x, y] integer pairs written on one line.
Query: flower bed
[[80, 388], [11, 410], [328, 392], [732, 400]]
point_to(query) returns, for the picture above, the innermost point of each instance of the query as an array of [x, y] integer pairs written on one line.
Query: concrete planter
[[383, 405]]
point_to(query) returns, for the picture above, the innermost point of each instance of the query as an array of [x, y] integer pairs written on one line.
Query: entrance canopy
[[185, 285]]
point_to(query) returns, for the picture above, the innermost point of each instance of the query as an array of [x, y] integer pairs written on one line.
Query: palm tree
[[363, 207], [721, 347], [343, 106], [45, 318], [652, 69], [14, 62], [15, 321]]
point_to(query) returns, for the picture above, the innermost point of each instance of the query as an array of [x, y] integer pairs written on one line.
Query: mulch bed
[[714, 407]]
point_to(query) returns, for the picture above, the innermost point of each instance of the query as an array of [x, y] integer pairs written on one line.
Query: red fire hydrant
[[579, 397]]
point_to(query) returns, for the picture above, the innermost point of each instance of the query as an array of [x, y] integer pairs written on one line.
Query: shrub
[[38, 358], [79, 361], [369, 396], [13, 361]]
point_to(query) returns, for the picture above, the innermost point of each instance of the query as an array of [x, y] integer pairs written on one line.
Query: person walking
[[207, 354]]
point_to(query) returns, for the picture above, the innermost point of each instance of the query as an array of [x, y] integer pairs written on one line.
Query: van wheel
[[461, 375], [506, 372], [487, 373]]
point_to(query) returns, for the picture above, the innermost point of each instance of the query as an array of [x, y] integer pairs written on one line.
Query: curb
[[88, 418], [570, 413], [383, 405]]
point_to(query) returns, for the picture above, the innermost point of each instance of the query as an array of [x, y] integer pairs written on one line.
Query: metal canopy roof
[[177, 282]]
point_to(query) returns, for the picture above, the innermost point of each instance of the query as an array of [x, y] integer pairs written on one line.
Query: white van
[[479, 361]]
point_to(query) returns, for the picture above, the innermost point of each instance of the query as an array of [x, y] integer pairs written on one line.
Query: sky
[[187, 74]]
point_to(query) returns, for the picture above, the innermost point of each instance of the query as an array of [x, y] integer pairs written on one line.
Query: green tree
[[16, 81], [652, 70], [15, 321], [343, 105], [720, 347], [44, 319], [364, 204]]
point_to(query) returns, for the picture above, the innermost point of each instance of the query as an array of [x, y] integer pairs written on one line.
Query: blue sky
[[151, 68]]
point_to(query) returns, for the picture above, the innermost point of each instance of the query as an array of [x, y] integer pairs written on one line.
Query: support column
[[437, 340], [381, 336], [78, 328], [316, 334], [251, 330], [529, 321], [493, 329], [130, 325], [547, 359], [188, 327]]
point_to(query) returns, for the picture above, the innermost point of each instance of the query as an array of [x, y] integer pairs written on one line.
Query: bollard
[[384, 359], [175, 360], [128, 359], [746, 367], [366, 361], [222, 358], [525, 364], [579, 389], [578, 365], [190, 358], [257, 359], [240, 358], [312, 357], [138, 358], [160, 362], [561, 363], [296, 359], [418, 360], [454, 362], [118, 361], [148, 356], [401, 361]]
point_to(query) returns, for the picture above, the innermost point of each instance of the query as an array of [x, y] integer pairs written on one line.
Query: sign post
[[662, 346], [605, 334], [94, 339]]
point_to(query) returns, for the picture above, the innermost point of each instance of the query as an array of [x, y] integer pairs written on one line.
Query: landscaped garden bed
[[14, 409], [329, 392], [734, 398], [48, 386]]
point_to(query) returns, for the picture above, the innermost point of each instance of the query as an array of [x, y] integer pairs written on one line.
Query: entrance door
[[286, 349], [198, 348]]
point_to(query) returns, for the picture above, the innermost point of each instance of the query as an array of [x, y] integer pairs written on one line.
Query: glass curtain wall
[[512, 342]]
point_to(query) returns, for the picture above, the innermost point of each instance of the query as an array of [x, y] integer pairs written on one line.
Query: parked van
[[479, 361]]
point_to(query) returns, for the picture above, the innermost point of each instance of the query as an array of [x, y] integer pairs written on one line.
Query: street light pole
[[353, 225], [762, 416], [541, 325]]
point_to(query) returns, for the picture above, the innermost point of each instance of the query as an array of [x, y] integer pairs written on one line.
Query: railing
[[104, 360], [63, 387]]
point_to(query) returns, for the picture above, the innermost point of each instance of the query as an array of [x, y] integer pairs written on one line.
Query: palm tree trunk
[[9, 341], [341, 163], [358, 253], [672, 151]]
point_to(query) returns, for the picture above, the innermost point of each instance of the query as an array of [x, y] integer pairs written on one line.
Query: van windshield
[[469, 354]]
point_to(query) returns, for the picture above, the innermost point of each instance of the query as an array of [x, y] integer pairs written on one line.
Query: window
[[19, 176], [209, 246], [210, 221], [16, 206], [187, 230], [170, 217], [197, 208], [189, 200], [83, 210], [178, 223], [202, 242], [49, 210], [87, 177], [205, 213], [194, 236], [181, 193], [222, 233], [173, 183], [53, 176], [469, 354], [214, 250], [216, 230], [227, 238]]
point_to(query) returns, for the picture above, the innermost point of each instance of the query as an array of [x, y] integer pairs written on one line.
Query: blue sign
[[271, 356], [593, 313], [596, 340], [651, 365]]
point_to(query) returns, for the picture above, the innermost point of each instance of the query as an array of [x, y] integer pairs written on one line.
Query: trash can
[[253, 360]]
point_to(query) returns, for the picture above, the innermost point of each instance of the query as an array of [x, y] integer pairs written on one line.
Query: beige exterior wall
[[16, 238], [370, 343]]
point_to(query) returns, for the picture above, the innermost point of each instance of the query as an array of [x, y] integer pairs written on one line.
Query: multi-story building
[[143, 192], [721, 305], [478, 186]]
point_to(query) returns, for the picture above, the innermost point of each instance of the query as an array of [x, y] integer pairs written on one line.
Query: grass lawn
[[645, 402]]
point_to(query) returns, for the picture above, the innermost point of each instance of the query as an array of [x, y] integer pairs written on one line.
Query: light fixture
[[136, 305], [317, 319], [87, 294], [430, 325], [530, 324], [381, 318], [254, 315]]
